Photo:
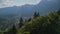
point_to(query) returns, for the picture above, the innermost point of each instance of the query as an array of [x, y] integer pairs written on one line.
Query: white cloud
[[8, 3]]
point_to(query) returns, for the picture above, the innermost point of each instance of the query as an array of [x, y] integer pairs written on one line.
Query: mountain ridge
[[27, 10]]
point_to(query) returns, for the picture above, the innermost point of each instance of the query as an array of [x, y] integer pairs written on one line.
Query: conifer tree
[[21, 22], [12, 30], [58, 12], [38, 14], [29, 19], [34, 15]]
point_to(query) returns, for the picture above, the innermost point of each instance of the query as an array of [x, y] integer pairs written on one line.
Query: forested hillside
[[47, 24], [10, 15]]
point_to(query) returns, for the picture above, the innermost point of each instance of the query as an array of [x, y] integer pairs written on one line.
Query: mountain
[[27, 10], [18, 10], [45, 6], [15, 12]]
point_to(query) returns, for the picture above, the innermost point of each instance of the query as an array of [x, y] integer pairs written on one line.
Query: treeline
[[47, 24]]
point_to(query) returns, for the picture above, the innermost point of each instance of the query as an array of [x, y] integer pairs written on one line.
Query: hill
[[47, 24], [9, 15]]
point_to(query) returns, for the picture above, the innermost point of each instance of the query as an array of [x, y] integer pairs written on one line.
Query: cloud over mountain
[[9, 3]]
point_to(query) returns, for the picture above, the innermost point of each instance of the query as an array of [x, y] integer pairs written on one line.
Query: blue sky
[[9, 3]]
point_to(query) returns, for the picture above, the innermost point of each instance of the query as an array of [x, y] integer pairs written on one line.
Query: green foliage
[[58, 12], [29, 19], [48, 24], [11, 31]]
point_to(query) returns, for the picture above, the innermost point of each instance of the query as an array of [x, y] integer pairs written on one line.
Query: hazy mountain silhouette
[[27, 10]]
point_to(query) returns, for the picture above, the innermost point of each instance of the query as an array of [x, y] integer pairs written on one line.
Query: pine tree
[[21, 22], [12, 30], [58, 12], [29, 19], [38, 14], [35, 15]]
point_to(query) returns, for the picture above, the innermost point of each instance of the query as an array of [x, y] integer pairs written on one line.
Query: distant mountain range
[[11, 13], [27, 10]]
